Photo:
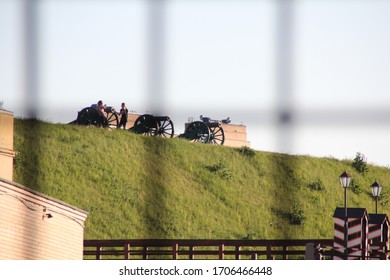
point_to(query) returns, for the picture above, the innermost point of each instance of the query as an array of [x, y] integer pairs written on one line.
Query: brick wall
[[235, 135], [27, 233]]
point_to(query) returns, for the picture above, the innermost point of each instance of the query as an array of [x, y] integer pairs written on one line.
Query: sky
[[306, 77]]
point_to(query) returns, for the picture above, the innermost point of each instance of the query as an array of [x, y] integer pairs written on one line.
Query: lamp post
[[345, 180], [376, 189]]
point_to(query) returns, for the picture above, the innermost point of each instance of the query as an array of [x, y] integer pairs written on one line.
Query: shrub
[[226, 174], [317, 185], [220, 165], [355, 187], [384, 198], [221, 169], [249, 236], [297, 216], [246, 151], [360, 163]]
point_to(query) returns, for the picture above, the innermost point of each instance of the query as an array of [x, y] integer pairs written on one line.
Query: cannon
[[204, 132], [92, 116], [161, 126]]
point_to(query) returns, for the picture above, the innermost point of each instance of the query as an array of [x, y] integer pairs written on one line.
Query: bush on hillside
[[221, 169], [317, 185], [297, 215], [246, 151], [360, 163], [384, 198], [357, 189]]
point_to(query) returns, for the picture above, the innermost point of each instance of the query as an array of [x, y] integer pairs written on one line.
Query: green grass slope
[[143, 187]]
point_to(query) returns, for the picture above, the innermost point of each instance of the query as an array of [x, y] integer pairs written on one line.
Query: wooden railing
[[199, 249]]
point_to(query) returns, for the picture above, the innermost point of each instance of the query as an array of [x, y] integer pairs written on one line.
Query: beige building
[[34, 226], [7, 152], [235, 135], [37, 227]]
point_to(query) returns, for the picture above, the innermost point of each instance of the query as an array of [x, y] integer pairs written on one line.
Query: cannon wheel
[[146, 125], [88, 116], [217, 136], [197, 132], [113, 119], [165, 128]]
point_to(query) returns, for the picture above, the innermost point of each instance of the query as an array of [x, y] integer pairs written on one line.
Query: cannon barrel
[[162, 118], [109, 109]]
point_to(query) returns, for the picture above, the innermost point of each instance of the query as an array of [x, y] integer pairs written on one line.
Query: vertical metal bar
[[30, 55], [284, 84], [156, 61], [376, 205], [345, 225]]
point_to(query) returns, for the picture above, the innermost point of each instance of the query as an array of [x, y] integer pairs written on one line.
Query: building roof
[[4, 183], [351, 212], [378, 219], [4, 111]]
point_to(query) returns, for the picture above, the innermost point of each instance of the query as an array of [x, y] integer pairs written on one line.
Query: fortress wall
[[235, 135]]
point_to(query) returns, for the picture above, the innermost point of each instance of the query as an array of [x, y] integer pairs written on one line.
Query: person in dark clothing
[[123, 115], [102, 120]]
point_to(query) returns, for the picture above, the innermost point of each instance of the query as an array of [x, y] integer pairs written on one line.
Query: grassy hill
[[143, 187]]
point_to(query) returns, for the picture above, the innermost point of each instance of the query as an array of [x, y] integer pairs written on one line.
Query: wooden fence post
[[191, 254], [175, 250], [269, 252], [221, 251], [145, 253], [127, 251], [285, 249], [98, 248], [238, 256]]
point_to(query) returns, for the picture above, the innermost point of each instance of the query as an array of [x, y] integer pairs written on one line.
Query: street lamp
[[345, 180], [376, 189]]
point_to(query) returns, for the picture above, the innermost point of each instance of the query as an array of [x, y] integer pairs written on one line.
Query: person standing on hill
[[123, 114], [102, 118]]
